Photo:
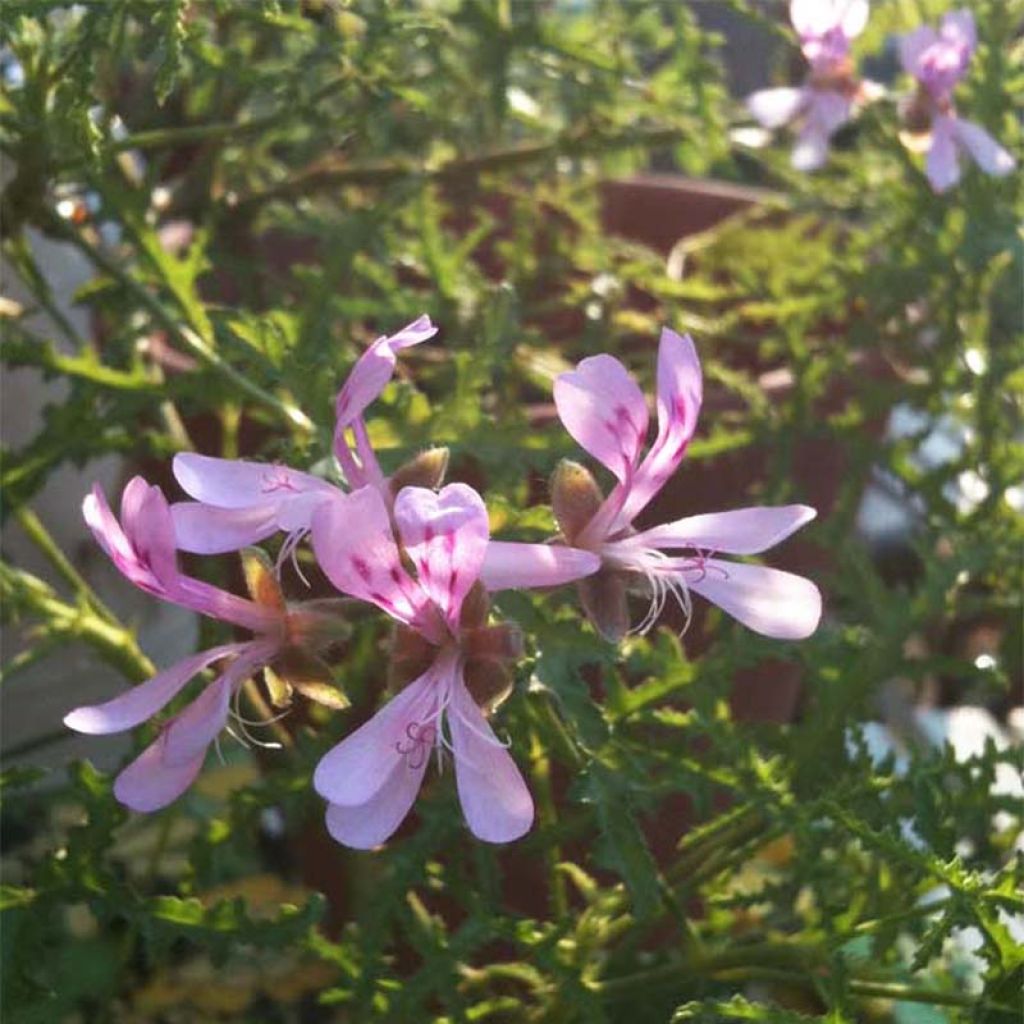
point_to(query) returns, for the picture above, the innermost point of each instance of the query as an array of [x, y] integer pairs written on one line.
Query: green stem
[[42, 539], [112, 641], [387, 172], [912, 994], [549, 816], [793, 964], [184, 135]]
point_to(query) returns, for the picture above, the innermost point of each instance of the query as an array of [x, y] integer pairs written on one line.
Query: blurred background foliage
[[730, 828]]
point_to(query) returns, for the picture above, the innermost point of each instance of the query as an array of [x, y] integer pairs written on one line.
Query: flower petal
[[509, 565], [603, 408], [149, 783], [497, 805], [811, 150], [141, 546], [817, 17], [987, 153], [108, 533], [942, 166], [828, 111], [236, 483], [194, 728], [372, 823], [853, 16], [143, 701], [769, 601], [742, 531], [374, 369], [200, 723], [353, 543], [958, 28], [913, 46], [445, 534], [151, 532], [680, 392], [209, 530], [772, 108], [354, 772]]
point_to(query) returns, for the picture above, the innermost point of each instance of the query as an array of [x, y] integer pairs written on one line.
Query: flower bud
[[604, 599], [411, 656], [489, 683], [475, 607], [260, 579], [425, 470], [575, 498], [504, 642], [299, 671]]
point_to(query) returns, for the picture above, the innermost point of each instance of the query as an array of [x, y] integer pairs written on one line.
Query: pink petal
[[497, 805], [942, 165], [142, 545], [914, 45], [445, 534], [146, 521], [219, 604], [374, 369], [828, 111], [958, 28], [604, 410], [145, 700], [149, 783], [771, 602], [208, 530], [987, 153], [825, 113], [296, 512], [811, 150], [853, 16], [772, 108], [357, 769], [235, 483], [680, 392], [813, 19], [509, 565], [199, 723], [353, 543], [743, 531], [372, 823], [108, 533], [196, 726]]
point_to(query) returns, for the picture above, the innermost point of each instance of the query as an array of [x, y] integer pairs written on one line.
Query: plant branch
[[386, 172], [185, 335]]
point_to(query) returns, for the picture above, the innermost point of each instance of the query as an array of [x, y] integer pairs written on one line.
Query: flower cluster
[[938, 59], [422, 553]]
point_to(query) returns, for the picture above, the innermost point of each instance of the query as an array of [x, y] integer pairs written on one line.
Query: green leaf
[[623, 847]]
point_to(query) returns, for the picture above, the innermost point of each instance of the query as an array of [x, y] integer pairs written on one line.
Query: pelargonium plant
[[832, 92], [939, 60], [425, 557]]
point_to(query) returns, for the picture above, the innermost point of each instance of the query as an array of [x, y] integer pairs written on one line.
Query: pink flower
[[372, 777], [828, 98], [604, 410], [368, 378], [239, 503], [142, 548], [939, 60]]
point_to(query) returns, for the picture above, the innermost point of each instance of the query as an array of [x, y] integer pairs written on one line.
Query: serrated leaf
[[624, 845]]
